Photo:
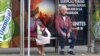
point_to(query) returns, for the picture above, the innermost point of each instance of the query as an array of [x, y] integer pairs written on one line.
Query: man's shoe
[[62, 53], [71, 53]]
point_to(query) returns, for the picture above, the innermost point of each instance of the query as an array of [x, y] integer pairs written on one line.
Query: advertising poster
[[15, 42], [96, 19], [9, 23], [45, 9]]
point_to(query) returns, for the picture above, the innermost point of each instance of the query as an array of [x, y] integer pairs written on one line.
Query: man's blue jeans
[[63, 40]]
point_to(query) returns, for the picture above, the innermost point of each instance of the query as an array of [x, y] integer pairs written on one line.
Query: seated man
[[64, 29]]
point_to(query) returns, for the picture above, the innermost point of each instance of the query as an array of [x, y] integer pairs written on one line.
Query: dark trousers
[[63, 40]]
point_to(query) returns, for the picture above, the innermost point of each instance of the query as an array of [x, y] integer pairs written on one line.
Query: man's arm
[[58, 27], [70, 27]]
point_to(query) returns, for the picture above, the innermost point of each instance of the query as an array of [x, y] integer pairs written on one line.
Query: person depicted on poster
[[63, 26]]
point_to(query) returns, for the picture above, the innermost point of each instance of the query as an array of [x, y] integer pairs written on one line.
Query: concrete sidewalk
[[79, 51], [50, 51]]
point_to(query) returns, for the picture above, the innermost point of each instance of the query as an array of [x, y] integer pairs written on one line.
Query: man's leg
[[62, 41], [72, 41]]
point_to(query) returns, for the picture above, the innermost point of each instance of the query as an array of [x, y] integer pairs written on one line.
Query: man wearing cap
[[63, 26]]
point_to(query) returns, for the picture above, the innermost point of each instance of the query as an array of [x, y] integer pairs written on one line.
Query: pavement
[[50, 51]]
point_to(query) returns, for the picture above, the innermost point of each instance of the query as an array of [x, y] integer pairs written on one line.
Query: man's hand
[[64, 34], [68, 35]]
